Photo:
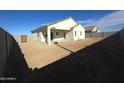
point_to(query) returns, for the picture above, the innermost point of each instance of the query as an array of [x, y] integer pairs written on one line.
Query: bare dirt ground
[[39, 54]]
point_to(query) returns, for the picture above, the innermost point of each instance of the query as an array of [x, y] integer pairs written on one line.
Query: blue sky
[[24, 21]]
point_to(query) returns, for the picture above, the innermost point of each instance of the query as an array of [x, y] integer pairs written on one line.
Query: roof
[[66, 29], [52, 24], [59, 21], [40, 28], [75, 26], [88, 28]]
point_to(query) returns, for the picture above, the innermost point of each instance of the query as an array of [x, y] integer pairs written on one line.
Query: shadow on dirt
[[57, 44]]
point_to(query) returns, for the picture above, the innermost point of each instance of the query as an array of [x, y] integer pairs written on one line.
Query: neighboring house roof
[[45, 26], [90, 28]]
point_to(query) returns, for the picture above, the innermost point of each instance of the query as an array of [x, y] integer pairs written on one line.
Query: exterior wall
[[58, 37], [78, 32], [40, 35], [29, 38], [35, 36], [69, 35], [66, 25], [43, 35]]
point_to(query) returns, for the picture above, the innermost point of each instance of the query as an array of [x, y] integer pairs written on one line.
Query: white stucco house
[[66, 29]]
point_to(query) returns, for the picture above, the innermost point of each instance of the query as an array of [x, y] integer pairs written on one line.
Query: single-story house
[[66, 29], [92, 29]]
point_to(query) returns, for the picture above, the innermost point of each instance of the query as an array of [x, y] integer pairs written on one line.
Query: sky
[[19, 22]]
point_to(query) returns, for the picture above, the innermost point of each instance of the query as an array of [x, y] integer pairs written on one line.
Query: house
[[66, 29], [92, 29]]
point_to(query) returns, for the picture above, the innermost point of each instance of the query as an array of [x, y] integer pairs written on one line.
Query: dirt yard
[[40, 54]]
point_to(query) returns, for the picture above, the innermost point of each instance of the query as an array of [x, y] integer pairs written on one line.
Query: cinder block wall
[[18, 38], [99, 34], [107, 34], [30, 38]]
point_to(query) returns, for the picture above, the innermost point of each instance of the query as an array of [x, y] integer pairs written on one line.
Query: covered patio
[[56, 35]]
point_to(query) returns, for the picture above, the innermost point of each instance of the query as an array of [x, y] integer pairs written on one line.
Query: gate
[[23, 38]]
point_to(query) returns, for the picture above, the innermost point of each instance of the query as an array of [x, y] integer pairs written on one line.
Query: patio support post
[[40, 36], [48, 36]]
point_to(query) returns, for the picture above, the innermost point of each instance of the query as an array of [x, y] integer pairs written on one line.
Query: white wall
[[43, 36], [69, 35], [80, 32], [35, 36]]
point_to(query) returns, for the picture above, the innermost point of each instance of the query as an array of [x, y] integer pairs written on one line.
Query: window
[[57, 33], [80, 32], [75, 33]]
